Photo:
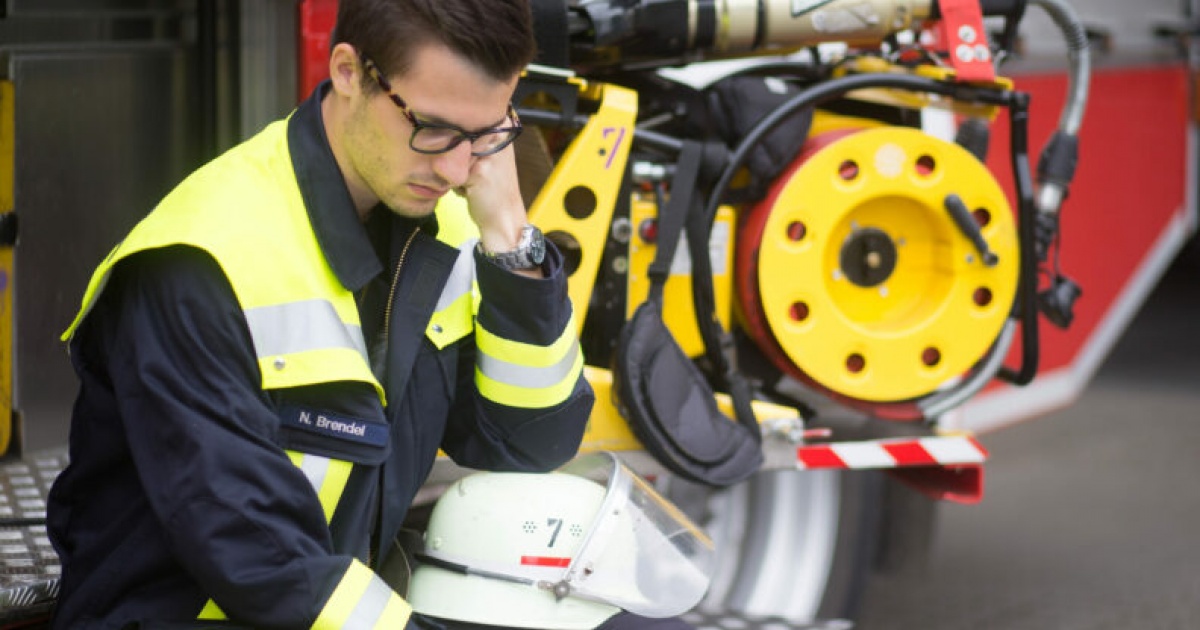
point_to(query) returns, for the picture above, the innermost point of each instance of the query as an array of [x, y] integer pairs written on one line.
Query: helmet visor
[[642, 554]]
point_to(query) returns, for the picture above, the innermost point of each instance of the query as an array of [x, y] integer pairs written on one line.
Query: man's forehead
[[440, 87]]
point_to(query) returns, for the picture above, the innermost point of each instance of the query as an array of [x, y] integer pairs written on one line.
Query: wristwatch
[[529, 254]]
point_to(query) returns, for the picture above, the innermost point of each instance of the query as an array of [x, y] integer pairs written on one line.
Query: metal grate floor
[[28, 565]]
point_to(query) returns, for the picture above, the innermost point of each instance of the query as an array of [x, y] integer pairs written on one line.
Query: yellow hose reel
[[856, 276]]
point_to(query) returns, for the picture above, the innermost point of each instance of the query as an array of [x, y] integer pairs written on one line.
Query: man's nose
[[454, 166]]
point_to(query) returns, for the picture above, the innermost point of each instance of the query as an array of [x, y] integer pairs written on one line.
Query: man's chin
[[414, 209]]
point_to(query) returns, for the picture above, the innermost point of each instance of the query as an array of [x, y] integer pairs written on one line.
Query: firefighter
[[270, 360]]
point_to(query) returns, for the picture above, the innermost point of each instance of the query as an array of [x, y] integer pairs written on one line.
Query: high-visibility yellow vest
[[245, 209]]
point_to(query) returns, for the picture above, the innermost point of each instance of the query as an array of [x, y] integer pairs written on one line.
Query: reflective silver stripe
[[462, 276], [370, 606], [525, 376], [315, 468], [298, 326]]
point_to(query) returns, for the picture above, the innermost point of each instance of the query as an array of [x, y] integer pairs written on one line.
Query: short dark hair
[[495, 35]]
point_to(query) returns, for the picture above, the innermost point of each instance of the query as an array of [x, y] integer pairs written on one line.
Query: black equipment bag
[[659, 390], [737, 104]]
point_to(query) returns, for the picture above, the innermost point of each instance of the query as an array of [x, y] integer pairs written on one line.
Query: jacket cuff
[[519, 308], [363, 600]]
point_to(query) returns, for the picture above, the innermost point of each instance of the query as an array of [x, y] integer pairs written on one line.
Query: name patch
[[335, 426]]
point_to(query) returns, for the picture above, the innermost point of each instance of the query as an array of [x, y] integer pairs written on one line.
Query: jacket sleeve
[[239, 517], [522, 401]]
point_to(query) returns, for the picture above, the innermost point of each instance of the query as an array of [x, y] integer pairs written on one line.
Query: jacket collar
[[342, 236]]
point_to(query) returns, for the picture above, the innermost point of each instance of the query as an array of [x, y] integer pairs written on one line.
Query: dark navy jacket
[[178, 488]]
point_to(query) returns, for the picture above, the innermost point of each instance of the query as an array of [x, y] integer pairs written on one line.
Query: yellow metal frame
[[576, 203], [607, 429], [575, 207], [590, 173], [7, 163], [918, 100]]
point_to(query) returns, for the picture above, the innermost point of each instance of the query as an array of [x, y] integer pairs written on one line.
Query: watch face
[[537, 247]]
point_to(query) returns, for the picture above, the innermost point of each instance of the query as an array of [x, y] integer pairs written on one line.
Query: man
[[270, 360]]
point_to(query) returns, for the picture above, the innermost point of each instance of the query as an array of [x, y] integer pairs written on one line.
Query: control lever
[[970, 229]]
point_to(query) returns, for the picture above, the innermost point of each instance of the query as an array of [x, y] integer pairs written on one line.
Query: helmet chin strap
[[442, 563], [561, 589]]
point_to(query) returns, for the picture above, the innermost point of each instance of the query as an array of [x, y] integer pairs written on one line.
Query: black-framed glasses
[[433, 138]]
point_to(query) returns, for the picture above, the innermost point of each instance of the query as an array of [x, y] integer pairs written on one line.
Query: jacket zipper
[[387, 309], [375, 545]]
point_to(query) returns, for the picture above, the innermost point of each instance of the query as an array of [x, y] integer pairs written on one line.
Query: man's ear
[[345, 69]]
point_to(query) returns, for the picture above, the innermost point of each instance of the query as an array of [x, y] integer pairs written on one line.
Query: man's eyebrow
[[438, 120]]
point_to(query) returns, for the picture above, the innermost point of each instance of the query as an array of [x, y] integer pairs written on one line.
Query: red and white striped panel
[[956, 450]]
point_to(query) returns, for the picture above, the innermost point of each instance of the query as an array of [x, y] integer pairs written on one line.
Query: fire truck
[[901, 225]]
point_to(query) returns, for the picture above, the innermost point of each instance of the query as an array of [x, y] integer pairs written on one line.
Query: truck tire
[[791, 545], [906, 532]]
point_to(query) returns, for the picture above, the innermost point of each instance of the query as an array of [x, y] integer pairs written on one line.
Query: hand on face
[[494, 196]]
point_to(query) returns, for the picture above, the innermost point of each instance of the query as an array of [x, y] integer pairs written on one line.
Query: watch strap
[[529, 253]]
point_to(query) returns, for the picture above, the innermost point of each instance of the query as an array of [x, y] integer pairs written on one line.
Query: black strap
[[674, 215], [718, 343], [664, 396], [672, 218]]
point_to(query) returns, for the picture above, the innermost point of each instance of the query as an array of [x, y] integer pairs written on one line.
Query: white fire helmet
[[563, 550]]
